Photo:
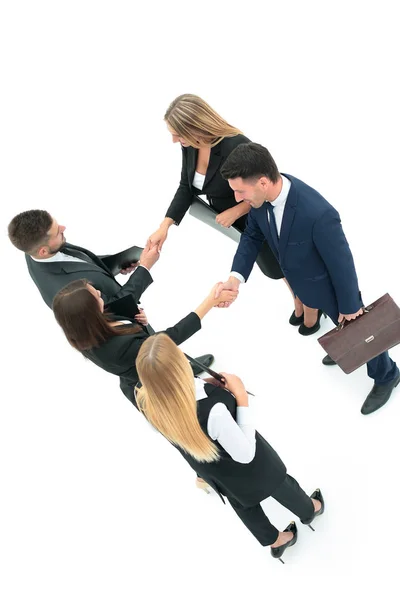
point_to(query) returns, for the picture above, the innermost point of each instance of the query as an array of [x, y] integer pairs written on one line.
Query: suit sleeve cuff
[[238, 276], [143, 267]]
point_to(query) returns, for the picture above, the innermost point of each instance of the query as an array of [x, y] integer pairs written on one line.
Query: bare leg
[[283, 538], [298, 305], [317, 504], [310, 316]]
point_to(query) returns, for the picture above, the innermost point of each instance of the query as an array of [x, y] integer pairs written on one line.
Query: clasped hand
[[350, 317]]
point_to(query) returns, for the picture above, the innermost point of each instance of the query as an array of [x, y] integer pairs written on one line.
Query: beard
[[59, 249]]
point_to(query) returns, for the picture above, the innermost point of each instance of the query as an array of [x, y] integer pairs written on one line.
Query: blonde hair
[[195, 121], [167, 397]]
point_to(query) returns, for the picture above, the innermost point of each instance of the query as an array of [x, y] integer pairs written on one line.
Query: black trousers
[[290, 495]]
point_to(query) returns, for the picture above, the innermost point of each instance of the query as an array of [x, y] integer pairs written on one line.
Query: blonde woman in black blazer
[[207, 140]]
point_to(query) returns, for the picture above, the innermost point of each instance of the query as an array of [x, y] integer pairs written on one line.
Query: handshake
[[221, 295], [227, 292]]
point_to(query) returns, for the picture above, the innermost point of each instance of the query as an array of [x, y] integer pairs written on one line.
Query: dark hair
[[79, 316], [250, 161], [29, 230]]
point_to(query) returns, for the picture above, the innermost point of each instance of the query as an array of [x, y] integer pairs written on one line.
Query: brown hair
[[193, 119], [79, 316], [167, 397], [250, 161], [29, 230]]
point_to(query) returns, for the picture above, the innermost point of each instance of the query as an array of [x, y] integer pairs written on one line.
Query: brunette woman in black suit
[[111, 343], [207, 140], [213, 429]]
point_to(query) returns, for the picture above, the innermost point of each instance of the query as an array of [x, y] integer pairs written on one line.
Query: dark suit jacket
[[215, 187], [50, 277], [118, 354], [313, 251]]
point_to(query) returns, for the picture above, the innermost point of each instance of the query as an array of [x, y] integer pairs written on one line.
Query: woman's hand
[[141, 318], [213, 381], [158, 238], [235, 385], [227, 217]]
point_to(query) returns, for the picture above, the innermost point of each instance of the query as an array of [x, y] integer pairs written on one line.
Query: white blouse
[[236, 437], [198, 180]]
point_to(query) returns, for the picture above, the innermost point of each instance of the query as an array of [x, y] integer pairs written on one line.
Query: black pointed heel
[[296, 320], [317, 495], [303, 330], [277, 552]]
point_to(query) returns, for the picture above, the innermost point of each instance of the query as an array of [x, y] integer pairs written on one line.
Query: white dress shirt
[[61, 257], [279, 207], [58, 257]]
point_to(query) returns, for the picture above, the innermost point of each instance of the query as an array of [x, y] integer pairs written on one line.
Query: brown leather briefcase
[[353, 343]]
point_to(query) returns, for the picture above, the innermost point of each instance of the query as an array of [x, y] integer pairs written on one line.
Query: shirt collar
[[281, 199], [59, 256]]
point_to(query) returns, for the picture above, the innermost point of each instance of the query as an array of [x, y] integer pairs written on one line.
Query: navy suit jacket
[[313, 251]]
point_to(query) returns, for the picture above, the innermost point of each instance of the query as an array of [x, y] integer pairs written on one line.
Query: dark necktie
[[77, 254], [272, 226]]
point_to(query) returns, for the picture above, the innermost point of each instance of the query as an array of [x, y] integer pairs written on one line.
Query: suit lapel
[[191, 159], [95, 258], [60, 266], [287, 221], [74, 266], [213, 165]]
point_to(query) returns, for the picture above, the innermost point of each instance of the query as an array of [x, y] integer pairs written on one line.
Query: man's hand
[[149, 256], [350, 317], [232, 284], [227, 217], [130, 268]]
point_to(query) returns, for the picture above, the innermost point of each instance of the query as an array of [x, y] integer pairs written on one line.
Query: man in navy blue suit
[[305, 233]]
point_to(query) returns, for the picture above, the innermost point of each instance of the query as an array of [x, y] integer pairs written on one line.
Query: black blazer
[[217, 189], [118, 354], [51, 277], [248, 483]]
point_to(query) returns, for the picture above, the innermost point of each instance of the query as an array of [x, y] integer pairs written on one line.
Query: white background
[[93, 503]]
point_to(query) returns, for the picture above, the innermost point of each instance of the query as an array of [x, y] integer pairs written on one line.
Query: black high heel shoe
[[315, 496], [303, 330], [277, 552], [296, 320]]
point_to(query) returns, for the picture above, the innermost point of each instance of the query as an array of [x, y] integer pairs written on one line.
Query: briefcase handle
[[366, 309]]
